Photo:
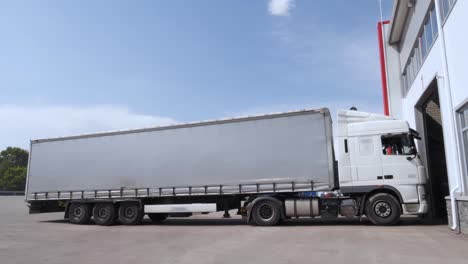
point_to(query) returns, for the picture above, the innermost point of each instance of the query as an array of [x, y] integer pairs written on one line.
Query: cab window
[[398, 145]]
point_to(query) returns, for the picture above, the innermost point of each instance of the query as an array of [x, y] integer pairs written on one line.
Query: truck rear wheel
[[104, 214], [130, 213], [383, 209], [266, 213], [79, 213], [157, 218]]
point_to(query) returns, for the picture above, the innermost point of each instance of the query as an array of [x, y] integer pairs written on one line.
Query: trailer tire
[[266, 213], [157, 218], [79, 213], [130, 213], [383, 209], [104, 214]]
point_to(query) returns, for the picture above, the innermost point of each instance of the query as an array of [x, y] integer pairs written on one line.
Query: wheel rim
[[129, 212], [266, 212], [103, 212], [382, 209], [77, 212]]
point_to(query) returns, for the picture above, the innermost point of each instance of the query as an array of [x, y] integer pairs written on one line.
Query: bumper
[[415, 209]]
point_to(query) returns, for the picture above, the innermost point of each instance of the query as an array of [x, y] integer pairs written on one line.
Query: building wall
[[411, 32], [456, 39], [453, 95], [393, 77], [432, 68]]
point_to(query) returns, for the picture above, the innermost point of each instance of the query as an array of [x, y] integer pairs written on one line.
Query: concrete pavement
[[46, 238]]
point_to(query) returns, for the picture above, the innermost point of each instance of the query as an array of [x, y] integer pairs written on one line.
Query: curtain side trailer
[[268, 167]]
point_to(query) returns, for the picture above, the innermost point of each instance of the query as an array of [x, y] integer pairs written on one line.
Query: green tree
[[14, 179], [13, 164], [16, 157]]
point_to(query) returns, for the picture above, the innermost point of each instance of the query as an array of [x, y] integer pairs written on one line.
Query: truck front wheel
[[383, 209], [104, 214], [130, 213], [79, 213], [266, 213]]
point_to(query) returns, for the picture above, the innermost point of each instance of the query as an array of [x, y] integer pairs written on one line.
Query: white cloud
[[280, 7], [22, 123]]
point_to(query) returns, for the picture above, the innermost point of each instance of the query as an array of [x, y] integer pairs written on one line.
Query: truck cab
[[377, 153]]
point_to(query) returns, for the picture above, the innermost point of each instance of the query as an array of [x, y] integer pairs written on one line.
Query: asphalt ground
[[47, 238]]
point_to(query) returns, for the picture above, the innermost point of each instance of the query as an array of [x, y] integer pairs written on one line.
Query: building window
[[417, 56], [428, 35], [435, 28], [428, 30], [422, 40], [445, 7], [463, 113]]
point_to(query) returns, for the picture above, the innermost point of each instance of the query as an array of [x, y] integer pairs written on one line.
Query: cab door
[[399, 161], [366, 161]]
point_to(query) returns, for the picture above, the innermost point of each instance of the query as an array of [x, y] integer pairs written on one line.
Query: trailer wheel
[[130, 213], [104, 214], [266, 213], [383, 209], [157, 218], [79, 213]]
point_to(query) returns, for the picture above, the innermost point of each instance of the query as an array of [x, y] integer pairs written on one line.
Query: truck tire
[[383, 209], [130, 213], [104, 214], [266, 213], [157, 218], [79, 213]]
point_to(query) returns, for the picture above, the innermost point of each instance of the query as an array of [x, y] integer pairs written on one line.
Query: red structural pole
[[383, 69]]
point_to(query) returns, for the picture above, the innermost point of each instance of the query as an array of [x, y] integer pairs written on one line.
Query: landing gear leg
[[226, 214], [226, 209]]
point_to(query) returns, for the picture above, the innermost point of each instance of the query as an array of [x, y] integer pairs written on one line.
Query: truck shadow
[[410, 221], [294, 222], [405, 221]]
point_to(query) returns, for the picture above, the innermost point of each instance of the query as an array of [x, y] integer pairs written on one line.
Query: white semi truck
[[268, 167]]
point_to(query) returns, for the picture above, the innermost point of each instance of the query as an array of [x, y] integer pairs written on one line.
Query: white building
[[424, 56]]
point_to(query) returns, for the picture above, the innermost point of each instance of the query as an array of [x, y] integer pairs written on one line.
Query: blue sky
[[72, 67]]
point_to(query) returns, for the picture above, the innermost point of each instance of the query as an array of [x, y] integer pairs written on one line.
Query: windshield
[[401, 144]]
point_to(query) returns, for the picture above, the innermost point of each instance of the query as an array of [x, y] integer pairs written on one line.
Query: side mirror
[[412, 158], [415, 134]]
